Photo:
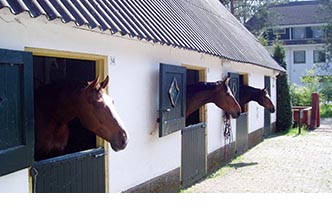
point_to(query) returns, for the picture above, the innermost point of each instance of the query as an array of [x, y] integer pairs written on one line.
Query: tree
[[284, 107], [243, 10], [327, 10]]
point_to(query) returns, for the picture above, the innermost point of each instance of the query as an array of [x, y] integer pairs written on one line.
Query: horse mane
[[71, 86], [50, 95], [249, 89], [203, 86]]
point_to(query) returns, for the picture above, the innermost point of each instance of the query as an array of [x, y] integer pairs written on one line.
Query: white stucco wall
[[134, 85], [17, 182]]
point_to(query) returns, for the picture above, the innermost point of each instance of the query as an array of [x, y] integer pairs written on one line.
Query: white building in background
[[299, 25]]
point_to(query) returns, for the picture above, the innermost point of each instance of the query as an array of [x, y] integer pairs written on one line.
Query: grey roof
[[200, 25], [297, 13], [293, 13]]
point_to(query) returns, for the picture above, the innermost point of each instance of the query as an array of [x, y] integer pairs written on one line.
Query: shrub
[[284, 107], [300, 95], [326, 110]]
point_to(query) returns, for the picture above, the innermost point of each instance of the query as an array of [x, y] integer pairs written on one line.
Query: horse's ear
[[104, 83], [94, 83], [226, 81]]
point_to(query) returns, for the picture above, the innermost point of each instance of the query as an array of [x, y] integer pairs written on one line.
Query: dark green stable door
[[241, 142], [267, 114], [16, 111]]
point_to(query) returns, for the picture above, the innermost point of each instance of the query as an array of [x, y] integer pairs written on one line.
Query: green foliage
[[279, 53], [245, 9], [326, 88], [317, 83], [326, 8], [300, 95], [263, 41], [326, 110], [284, 107], [311, 81]]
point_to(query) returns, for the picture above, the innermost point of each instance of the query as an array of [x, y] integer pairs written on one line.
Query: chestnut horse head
[[97, 113], [225, 100], [218, 93], [261, 96], [264, 100]]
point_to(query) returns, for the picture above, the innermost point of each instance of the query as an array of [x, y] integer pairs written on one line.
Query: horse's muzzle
[[235, 114], [119, 142], [272, 110]]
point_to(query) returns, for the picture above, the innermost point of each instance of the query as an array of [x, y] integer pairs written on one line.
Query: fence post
[[300, 119], [315, 114]]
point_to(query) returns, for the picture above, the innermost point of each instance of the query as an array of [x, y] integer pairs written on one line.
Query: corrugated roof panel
[[106, 18], [79, 18], [184, 30], [51, 13], [145, 24], [148, 24], [158, 23], [91, 21], [33, 8], [126, 17], [136, 20], [199, 33], [171, 26], [91, 8], [16, 7], [111, 18], [132, 32], [65, 16], [199, 25]]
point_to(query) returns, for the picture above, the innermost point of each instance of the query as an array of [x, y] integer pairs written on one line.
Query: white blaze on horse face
[[110, 103], [267, 95]]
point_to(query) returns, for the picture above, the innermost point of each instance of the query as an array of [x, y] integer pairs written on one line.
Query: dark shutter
[[16, 111], [234, 84], [172, 99]]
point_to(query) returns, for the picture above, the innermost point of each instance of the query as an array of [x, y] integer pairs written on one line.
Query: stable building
[[144, 47]]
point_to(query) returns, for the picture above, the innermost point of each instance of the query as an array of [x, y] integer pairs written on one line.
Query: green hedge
[[284, 107]]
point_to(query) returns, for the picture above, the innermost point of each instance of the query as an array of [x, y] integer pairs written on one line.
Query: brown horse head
[[225, 100], [98, 114], [264, 100]]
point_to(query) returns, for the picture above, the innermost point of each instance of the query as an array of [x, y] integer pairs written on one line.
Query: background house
[[299, 25], [132, 42]]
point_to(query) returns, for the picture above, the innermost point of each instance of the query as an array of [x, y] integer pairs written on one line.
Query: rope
[[228, 135], [34, 174]]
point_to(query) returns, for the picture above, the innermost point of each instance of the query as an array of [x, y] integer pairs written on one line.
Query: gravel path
[[293, 163]]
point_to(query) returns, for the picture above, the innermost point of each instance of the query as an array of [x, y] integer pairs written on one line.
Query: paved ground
[[293, 163]]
